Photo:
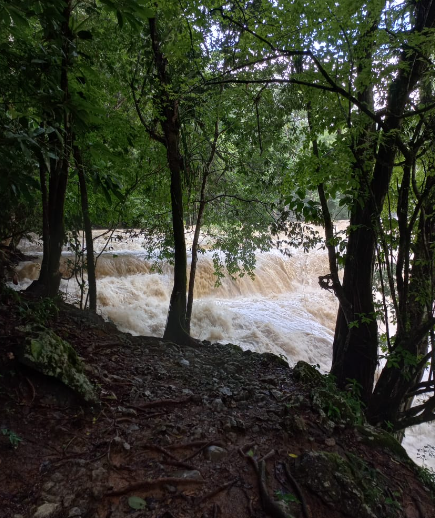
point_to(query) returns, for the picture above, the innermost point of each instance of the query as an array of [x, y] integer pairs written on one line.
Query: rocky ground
[[204, 431]]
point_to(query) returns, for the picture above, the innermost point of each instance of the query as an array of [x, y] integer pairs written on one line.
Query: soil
[[186, 429]]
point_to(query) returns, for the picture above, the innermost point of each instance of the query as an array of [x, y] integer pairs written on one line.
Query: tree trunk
[[194, 260], [90, 261], [49, 281], [355, 345], [176, 328]]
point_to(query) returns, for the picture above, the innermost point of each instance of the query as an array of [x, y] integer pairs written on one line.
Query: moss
[[307, 374], [381, 439], [47, 353], [348, 485]]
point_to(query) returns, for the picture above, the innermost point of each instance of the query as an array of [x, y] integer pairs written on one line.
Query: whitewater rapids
[[281, 310]]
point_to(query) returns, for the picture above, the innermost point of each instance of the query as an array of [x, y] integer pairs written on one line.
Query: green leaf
[[135, 502]]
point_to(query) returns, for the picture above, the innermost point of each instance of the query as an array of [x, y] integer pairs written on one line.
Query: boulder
[[47, 353]]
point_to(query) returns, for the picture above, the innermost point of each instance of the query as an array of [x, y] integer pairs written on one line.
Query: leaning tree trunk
[[194, 260], [411, 341]]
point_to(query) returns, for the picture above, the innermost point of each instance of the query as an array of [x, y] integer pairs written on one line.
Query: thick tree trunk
[[355, 345], [90, 261], [49, 282]]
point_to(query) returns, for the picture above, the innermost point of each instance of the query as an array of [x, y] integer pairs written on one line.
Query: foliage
[[14, 439]]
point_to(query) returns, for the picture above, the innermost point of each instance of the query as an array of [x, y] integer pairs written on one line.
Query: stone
[[329, 441], [98, 474], [183, 362], [226, 391], [68, 500], [46, 510], [215, 453], [127, 411], [190, 474], [44, 351], [75, 511], [57, 477], [337, 483], [217, 405]]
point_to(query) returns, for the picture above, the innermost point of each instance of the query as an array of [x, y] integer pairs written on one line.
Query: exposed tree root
[[153, 484], [305, 509], [160, 449], [194, 444], [161, 402], [197, 452], [213, 493], [269, 506]]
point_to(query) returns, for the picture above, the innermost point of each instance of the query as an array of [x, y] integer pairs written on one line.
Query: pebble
[[217, 404], [215, 453], [329, 441], [98, 474], [184, 363], [46, 510], [226, 391], [75, 511], [57, 477], [190, 474]]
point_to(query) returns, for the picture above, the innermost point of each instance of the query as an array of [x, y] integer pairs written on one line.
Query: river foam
[[280, 310]]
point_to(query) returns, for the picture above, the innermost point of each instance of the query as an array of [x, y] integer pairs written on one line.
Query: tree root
[[153, 484], [305, 509], [192, 444], [197, 452], [160, 449], [161, 402], [269, 506], [213, 493]]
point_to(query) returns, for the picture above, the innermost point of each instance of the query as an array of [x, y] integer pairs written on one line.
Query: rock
[[308, 374], [68, 500], [377, 437], [225, 391], [57, 477], [217, 405], [329, 441], [190, 474], [46, 510], [75, 511], [184, 363], [47, 353], [127, 411], [341, 485], [98, 474], [215, 453], [48, 485]]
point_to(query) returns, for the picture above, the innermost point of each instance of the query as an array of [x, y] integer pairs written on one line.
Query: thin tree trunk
[[90, 262], [194, 260], [176, 329]]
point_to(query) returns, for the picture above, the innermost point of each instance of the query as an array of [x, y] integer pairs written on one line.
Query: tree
[[371, 63]]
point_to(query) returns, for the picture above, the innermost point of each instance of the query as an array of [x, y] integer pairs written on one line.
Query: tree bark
[[49, 281], [90, 261], [176, 326], [355, 346]]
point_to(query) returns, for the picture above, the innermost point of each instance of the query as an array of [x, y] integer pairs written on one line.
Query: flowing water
[[281, 310]]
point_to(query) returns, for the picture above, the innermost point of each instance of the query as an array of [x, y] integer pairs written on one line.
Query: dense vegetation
[[242, 120]]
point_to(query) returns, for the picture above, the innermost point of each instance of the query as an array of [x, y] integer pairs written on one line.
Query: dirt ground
[[204, 431]]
